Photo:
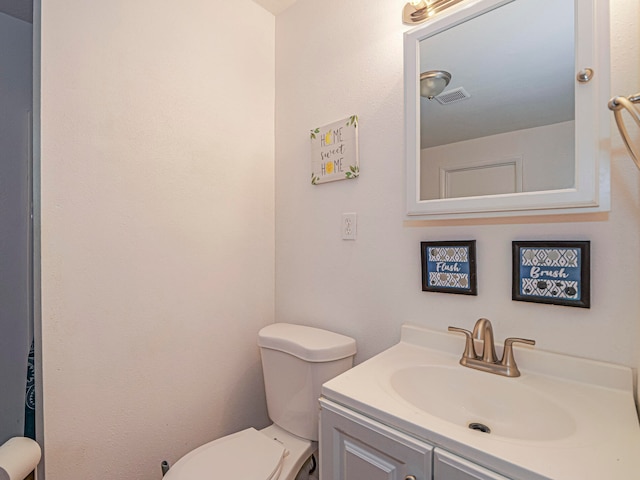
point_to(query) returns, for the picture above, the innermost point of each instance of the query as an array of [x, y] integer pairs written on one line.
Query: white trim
[[446, 172]]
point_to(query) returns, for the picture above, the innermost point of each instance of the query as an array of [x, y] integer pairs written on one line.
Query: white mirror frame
[[592, 177]]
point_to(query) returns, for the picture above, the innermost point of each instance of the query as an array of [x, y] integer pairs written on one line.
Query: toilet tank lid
[[307, 343]]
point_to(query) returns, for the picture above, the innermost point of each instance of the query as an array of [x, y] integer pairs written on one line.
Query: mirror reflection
[[504, 123]]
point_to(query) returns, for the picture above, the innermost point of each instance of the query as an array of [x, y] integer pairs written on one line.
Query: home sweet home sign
[[334, 151]]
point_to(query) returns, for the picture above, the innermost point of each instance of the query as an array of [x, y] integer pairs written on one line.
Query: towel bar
[[617, 104]]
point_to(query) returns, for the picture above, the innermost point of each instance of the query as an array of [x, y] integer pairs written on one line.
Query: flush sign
[[449, 267]]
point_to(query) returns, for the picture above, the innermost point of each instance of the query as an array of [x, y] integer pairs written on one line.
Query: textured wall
[[15, 331], [348, 60], [157, 218], [157, 228]]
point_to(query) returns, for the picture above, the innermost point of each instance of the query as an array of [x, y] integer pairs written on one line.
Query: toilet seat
[[247, 454]]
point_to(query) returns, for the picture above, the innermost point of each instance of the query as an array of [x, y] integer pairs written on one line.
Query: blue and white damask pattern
[[448, 254], [30, 397], [551, 257], [550, 273], [449, 280], [449, 267], [556, 289]]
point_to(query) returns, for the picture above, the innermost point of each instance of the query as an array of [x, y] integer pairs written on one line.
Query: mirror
[[514, 131]]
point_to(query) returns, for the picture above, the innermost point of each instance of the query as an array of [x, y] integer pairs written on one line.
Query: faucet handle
[[469, 347], [508, 360]]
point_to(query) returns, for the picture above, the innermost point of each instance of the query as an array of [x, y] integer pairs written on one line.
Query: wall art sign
[[552, 272], [334, 151], [449, 267]]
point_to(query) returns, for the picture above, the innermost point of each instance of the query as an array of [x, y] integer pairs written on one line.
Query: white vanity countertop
[[605, 443]]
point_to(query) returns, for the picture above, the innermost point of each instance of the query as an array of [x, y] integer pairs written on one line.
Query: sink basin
[[565, 418], [483, 401]]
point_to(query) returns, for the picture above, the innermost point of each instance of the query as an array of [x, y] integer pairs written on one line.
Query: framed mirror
[[519, 123]]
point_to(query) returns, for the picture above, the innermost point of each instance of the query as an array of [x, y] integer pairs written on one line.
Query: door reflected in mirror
[[505, 123]]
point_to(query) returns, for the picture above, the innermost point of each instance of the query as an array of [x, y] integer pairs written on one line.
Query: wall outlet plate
[[349, 226]]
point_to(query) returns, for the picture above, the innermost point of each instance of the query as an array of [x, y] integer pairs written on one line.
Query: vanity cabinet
[[447, 466], [355, 447], [403, 413]]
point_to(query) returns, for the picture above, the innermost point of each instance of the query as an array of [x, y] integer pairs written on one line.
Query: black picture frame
[[449, 267], [552, 272]]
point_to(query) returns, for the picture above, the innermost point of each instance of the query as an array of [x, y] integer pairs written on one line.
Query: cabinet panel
[[447, 466], [353, 447], [360, 460]]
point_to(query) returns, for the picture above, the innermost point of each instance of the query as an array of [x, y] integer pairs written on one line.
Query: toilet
[[296, 361]]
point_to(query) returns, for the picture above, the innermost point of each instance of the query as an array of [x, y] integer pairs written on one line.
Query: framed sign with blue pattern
[[552, 272], [449, 267]]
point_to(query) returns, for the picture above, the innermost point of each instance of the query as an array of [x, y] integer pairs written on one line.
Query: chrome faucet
[[488, 361]]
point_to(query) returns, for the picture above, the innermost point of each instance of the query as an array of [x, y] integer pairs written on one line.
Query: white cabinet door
[[354, 447], [447, 466]]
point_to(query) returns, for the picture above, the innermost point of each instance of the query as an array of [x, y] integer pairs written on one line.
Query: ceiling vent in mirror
[[453, 96]]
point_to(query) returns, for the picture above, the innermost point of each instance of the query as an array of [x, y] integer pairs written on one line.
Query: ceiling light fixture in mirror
[[433, 82]]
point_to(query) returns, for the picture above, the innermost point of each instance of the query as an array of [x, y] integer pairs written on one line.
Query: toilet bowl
[[296, 361], [268, 454]]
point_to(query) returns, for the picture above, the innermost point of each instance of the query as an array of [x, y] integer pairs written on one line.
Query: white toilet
[[296, 361]]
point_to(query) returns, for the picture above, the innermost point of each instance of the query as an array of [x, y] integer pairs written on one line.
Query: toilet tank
[[296, 361]]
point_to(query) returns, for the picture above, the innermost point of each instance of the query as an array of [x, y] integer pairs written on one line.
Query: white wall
[[625, 28], [157, 228], [15, 330], [339, 58], [157, 218]]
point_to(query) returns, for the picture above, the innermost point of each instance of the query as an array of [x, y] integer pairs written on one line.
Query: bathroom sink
[[491, 404], [564, 418]]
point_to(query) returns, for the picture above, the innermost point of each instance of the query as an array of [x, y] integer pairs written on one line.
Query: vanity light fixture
[[415, 12], [418, 11], [433, 82]]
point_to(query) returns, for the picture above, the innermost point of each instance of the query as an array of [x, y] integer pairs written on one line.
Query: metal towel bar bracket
[[617, 104]]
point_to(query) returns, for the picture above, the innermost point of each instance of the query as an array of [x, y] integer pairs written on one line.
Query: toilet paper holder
[[19, 456]]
